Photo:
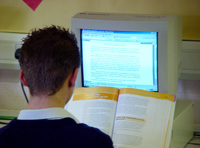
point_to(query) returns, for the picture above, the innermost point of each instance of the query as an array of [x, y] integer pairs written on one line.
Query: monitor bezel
[[169, 30]]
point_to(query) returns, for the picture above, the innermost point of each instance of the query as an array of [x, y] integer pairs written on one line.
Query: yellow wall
[[16, 16]]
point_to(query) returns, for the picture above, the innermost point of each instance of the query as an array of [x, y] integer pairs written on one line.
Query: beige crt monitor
[[154, 41]]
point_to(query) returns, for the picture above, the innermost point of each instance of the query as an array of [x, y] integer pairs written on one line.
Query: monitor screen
[[122, 59]]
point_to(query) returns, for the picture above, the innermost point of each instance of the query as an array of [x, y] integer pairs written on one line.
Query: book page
[[142, 119], [170, 124], [95, 107]]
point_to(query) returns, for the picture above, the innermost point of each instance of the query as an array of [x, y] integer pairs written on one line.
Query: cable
[[3, 123], [24, 92], [17, 55], [192, 140]]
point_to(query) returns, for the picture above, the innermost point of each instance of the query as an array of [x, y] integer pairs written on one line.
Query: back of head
[[47, 58]]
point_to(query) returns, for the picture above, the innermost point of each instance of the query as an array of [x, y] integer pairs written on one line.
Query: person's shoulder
[[7, 127], [94, 137], [2, 130], [5, 133]]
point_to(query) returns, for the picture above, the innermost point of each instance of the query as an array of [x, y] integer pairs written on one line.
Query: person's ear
[[22, 78], [72, 78]]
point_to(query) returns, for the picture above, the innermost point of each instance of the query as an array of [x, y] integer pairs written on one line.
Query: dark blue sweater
[[62, 133]]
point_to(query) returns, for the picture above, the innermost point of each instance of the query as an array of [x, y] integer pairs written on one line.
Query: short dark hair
[[47, 58]]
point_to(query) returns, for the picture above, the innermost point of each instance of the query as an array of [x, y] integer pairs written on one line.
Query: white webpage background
[[118, 62]]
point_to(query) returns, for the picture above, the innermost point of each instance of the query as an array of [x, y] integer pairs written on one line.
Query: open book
[[132, 117]]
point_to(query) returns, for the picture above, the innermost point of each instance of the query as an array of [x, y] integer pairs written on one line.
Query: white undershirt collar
[[49, 113]]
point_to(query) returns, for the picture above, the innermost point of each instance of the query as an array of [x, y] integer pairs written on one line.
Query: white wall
[[11, 96], [190, 90]]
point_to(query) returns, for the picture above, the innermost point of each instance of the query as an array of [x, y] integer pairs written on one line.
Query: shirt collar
[[48, 113]]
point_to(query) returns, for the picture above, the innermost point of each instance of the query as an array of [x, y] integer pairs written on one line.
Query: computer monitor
[[128, 51]]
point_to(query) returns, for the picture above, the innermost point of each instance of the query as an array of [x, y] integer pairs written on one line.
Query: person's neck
[[59, 99], [42, 102]]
